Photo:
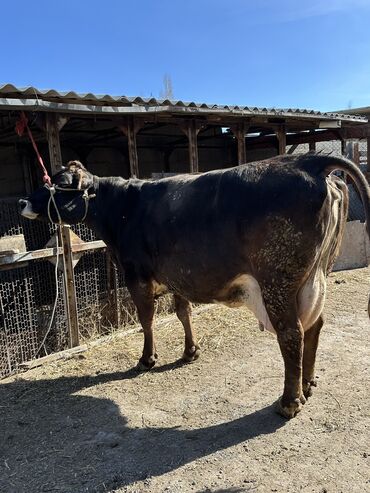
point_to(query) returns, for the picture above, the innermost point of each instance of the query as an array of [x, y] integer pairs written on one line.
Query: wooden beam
[[291, 139], [130, 129], [18, 259]]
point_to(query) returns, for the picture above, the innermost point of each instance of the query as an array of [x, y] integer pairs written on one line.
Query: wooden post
[[130, 129], [312, 144], [240, 130], [356, 153], [191, 129], [53, 124], [70, 287], [281, 136]]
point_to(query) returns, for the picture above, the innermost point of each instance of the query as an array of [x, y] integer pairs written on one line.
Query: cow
[[262, 235]]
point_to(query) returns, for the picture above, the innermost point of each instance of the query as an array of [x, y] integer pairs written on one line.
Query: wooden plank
[[47, 253], [70, 287], [50, 358]]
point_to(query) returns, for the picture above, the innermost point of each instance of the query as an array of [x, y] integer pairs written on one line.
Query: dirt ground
[[92, 424]]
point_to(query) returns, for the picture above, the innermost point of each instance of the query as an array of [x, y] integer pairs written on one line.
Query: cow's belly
[[244, 290]]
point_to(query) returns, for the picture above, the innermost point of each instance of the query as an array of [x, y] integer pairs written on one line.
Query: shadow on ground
[[52, 439]]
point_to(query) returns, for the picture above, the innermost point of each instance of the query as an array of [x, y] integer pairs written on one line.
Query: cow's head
[[67, 200]]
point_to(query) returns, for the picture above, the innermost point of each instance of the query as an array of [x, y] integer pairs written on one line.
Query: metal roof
[[51, 99], [364, 110]]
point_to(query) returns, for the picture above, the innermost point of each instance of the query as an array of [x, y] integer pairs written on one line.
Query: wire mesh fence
[[28, 290]]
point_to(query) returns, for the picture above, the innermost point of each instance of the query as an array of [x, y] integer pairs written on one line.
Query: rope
[[56, 297], [20, 126]]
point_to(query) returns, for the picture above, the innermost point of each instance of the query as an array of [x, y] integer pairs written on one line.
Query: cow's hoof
[[146, 364], [191, 354], [307, 388], [291, 409]]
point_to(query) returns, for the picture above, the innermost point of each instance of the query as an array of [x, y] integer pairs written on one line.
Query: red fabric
[[20, 126]]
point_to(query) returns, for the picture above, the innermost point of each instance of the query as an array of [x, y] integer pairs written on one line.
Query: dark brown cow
[[262, 235]]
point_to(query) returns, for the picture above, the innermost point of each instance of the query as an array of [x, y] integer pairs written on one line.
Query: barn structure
[[115, 135]]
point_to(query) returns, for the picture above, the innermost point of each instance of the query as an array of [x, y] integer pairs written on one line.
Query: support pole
[[191, 129], [53, 125], [367, 173], [240, 130], [130, 129], [281, 136]]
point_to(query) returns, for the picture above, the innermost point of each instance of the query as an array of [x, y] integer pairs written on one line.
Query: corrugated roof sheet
[[11, 91]]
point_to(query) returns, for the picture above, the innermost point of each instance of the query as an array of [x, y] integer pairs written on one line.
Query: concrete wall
[[355, 249]]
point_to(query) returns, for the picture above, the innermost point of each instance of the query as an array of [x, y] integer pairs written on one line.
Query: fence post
[[53, 124], [70, 287]]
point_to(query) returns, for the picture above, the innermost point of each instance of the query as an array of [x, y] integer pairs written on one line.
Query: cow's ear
[[73, 166], [81, 177]]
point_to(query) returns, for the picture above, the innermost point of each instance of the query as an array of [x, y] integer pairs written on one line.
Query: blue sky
[[286, 53]]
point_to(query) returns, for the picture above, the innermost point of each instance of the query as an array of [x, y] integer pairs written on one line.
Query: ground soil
[[92, 424]]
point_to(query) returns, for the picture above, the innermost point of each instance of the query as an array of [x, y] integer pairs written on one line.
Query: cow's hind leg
[[311, 341], [183, 312], [143, 298], [289, 332]]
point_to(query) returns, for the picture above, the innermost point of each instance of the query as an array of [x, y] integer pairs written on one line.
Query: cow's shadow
[[52, 439]]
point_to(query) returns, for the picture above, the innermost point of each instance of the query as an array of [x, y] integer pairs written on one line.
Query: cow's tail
[[321, 164]]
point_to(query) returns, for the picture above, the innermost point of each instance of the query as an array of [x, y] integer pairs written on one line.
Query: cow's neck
[[115, 198]]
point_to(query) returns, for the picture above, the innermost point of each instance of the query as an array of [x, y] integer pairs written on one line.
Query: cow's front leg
[[290, 337], [311, 341], [143, 297], [183, 312]]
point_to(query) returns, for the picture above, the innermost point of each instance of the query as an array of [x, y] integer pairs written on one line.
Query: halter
[[53, 190]]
